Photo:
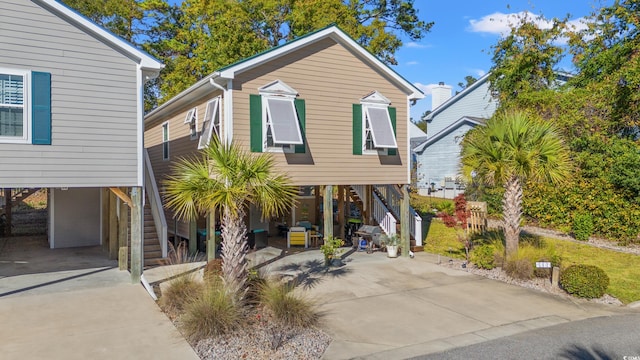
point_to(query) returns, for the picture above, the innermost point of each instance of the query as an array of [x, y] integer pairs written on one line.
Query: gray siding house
[[438, 157], [71, 119]]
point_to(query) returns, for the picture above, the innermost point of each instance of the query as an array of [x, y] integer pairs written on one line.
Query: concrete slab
[[75, 304], [113, 322], [380, 308]]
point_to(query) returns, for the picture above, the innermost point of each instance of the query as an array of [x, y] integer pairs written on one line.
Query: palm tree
[[510, 150], [229, 178]]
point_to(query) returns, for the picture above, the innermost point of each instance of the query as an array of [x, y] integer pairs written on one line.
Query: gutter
[[162, 108]]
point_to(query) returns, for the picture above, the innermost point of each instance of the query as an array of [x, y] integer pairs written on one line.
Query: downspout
[[227, 109]]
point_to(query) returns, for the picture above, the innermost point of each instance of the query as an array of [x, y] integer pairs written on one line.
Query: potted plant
[[330, 249], [391, 242]]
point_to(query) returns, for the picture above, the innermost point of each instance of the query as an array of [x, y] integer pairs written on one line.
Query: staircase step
[[154, 262], [152, 254], [149, 248]]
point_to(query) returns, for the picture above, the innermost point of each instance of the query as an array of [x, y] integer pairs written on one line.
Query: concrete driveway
[[381, 308], [374, 307], [76, 304]]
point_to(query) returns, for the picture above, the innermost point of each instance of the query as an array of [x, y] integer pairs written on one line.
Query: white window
[[192, 120], [211, 123], [281, 125], [378, 134], [165, 141], [14, 107]]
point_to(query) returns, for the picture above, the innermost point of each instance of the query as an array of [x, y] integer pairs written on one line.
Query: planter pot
[[335, 261], [392, 251]]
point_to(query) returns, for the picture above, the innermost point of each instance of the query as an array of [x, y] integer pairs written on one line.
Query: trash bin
[[202, 240], [258, 238]]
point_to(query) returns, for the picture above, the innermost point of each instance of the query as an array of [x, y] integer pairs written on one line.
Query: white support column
[[137, 243], [405, 217]]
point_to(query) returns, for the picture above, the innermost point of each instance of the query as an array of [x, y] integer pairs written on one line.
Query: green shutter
[[357, 129], [301, 110], [41, 108], [255, 122], [392, 115]]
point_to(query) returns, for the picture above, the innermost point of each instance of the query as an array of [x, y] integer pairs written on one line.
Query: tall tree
[[216, 33], [607, 56], [524, 60], [468, 81], [511, 150], [227, 177]]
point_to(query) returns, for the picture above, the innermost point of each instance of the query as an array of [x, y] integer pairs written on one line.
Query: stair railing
[[391, 195], [415, 226], [360, 190], [156, 204], [385, 219]]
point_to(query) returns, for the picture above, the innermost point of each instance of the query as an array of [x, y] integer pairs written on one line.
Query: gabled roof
[[415, 131], [452, 100], [474, 121], [229, 72], [145, 60]]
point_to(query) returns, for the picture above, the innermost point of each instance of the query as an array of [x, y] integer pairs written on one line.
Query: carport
[[74, 303]]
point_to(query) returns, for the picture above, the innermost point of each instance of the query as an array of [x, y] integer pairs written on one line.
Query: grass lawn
[[623, 269]]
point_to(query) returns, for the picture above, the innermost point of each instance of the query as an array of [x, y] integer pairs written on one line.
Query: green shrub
[[585, 281], [483, 256], [286, 307], [519, 268], [582, 226], [214, 312], [446, 207]]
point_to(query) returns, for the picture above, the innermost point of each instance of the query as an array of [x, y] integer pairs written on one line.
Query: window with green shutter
[[277, 119], [374, 126]]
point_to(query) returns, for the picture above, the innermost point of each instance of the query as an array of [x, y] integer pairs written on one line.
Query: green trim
[[301, 109], [40, 108], [255, 122], [357, 129], [392, 116]]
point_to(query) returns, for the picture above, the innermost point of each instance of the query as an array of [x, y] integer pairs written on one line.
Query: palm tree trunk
[[511, 214], [234, 251]]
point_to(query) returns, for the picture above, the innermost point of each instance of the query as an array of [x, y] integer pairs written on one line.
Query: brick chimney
[[440, 94]]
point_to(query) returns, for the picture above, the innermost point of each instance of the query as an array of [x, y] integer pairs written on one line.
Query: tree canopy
[[597, 112], [197, 37]]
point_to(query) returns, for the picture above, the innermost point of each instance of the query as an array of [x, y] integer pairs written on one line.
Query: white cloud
[[500, 24], [415, 45], [426, 89], [478, 72], [412, 63]]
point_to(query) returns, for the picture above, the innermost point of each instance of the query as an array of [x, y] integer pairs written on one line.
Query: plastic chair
[[298, 235]]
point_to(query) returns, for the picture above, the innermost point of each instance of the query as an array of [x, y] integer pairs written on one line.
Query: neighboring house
[[71, 121], [416, 137], [438, 157], [329, 112]]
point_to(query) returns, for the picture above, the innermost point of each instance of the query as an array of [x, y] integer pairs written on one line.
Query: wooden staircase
[[152, 248], [355, 199]]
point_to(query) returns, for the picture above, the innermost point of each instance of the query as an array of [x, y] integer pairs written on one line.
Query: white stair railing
[[156, 204], [392, 197], [359, 189], [385, 219], [416, 226]]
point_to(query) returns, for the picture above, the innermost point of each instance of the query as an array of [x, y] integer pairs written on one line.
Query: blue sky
[[459, 42]]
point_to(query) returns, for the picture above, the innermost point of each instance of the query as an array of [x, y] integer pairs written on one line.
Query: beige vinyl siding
[[93, 104], [330, 79], [180, 146]]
